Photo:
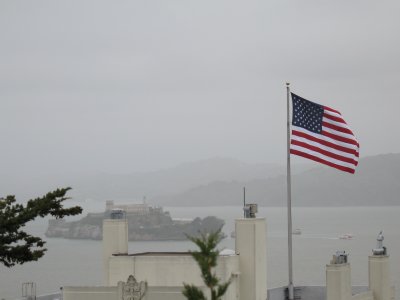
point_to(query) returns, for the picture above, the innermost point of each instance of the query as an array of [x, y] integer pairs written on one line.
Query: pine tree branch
[[207, 258], [17, 246]]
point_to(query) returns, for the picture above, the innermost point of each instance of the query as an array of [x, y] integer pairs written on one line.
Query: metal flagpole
[[289, 202]]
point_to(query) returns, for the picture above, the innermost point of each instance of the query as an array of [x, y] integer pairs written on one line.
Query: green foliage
[[192, 292], [17, 246], [206, 258]]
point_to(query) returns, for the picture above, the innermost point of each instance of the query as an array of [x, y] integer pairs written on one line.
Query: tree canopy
[[206, 258], [16, 245]]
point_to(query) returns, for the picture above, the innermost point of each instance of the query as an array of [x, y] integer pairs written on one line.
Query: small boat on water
[[296, 231], [346, 236]]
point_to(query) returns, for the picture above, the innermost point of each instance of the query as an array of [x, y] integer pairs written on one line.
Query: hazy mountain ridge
[[220, 181], [375, 183], [132, 187], [172, 180]]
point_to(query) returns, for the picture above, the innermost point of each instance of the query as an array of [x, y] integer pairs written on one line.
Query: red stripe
[[337, 128], [325, 152], [332, 110], [324, 142], [340, 138], [322, 161], [334, 118]]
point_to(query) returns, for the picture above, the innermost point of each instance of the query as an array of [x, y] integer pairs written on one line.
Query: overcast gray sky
[[125, 86]]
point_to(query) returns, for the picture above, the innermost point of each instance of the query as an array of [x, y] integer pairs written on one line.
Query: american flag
[[320, 133]]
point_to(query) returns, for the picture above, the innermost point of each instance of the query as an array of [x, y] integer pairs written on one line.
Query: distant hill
[[131, 187], [172, 180], [376, 182], [220, 181]]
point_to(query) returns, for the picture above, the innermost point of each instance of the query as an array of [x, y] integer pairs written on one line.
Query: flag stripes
[[334, 145], [322, 161], [298, 135]]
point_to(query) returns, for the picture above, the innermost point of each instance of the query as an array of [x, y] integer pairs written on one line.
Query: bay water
[[79, 262]]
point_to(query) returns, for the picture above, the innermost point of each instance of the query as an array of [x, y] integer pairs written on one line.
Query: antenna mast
[[244, 202]]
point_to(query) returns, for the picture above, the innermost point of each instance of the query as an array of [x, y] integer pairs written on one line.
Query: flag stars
[[307, 114]]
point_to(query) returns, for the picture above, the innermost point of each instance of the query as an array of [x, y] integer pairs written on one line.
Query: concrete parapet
[[363, 296], [379, 277], [252, 250], [115, 241], [90, 293], [113, 293], [338, 282]]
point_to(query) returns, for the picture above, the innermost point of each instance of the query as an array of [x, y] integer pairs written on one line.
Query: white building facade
[[160, 275]]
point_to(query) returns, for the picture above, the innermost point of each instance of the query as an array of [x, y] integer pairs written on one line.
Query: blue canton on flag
[[307, 114]]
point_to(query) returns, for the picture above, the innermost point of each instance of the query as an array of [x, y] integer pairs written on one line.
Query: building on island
[[135, 208]]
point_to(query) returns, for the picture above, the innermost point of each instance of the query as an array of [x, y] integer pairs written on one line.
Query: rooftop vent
[[250, 210], [117, 214], [380, 249], [340, 257], [29, 290]]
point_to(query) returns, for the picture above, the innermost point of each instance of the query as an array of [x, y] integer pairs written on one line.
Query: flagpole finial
[[287, 83]]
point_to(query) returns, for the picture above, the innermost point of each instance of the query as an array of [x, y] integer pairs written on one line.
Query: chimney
[[251, 247], [115, 238], [379, 272], [338, 277]]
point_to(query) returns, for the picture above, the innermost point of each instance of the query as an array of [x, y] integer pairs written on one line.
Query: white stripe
[[328, 139], [339, 133], [343, 125], [319, 155], [334, 114], [323, 147]]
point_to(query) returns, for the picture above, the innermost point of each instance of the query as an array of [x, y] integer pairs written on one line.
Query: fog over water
[[77, 262]]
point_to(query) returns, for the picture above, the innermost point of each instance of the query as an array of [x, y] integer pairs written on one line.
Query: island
[[145, 223]]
